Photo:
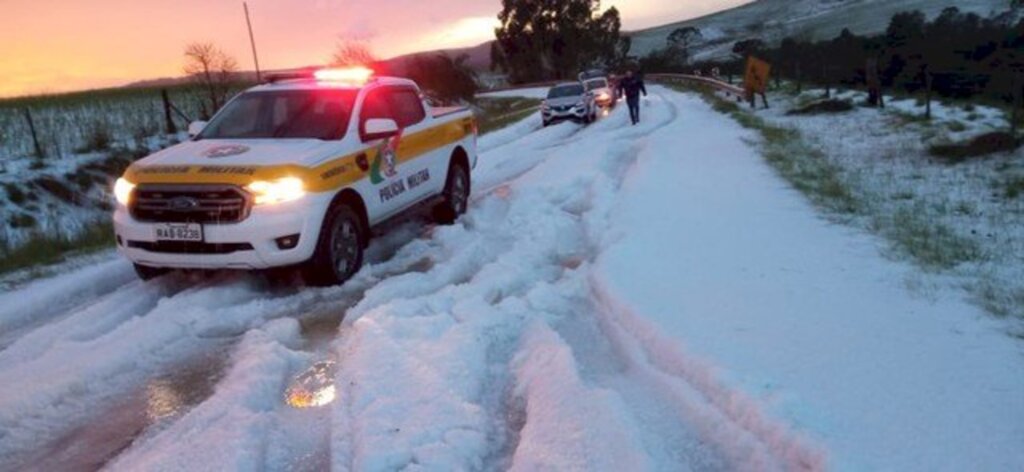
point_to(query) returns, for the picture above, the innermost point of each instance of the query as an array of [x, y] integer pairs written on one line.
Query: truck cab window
[[407, 107]]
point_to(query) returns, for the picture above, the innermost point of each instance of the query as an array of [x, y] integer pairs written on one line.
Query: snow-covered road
[[617, 298]]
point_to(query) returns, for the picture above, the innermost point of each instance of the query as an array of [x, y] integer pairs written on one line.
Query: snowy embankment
[[962, 218], [617, 298], [531, 92]]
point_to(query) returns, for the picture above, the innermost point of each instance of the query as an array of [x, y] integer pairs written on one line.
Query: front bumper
[[575, 114], [260, 230]]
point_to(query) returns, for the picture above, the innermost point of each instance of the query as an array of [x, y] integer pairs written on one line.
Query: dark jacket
[[631, 87]]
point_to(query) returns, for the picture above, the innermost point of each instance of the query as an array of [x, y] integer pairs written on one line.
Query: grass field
[[74, 123]]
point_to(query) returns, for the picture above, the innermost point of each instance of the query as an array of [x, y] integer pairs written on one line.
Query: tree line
[[540, 40], [954, 55]]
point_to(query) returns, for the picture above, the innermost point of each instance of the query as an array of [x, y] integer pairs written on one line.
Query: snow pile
[[239, 417], [570, 426], [71, 369]]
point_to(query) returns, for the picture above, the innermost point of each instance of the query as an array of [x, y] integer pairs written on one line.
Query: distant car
[[591, 74], [603, 94], [568, 101]]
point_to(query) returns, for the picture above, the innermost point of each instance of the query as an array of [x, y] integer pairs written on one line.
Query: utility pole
[[252, 41]]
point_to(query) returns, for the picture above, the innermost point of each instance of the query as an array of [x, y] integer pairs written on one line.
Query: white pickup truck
[[295, 173]]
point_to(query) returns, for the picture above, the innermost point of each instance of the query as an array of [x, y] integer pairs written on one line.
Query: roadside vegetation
[[44, 248], [498, 112]]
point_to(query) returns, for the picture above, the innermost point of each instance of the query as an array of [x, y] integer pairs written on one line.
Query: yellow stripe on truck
[[331, 175]]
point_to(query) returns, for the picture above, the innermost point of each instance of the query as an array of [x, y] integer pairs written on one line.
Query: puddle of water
[[141, 412], [314, 387]]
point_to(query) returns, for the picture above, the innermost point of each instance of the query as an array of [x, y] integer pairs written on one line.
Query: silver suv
[[569, 101]]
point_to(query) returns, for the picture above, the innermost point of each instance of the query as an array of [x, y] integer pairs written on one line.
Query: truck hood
[[242, 152], [564, 101]]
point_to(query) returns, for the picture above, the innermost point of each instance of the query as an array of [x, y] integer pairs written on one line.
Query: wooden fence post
[[1014, 116], [171, 129], [927, 93], [35, 138]]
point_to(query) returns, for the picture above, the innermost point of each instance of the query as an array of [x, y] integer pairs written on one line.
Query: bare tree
[[351, 52], [214, 70]]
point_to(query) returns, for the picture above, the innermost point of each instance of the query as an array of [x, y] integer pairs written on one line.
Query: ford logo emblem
[[183, 203]]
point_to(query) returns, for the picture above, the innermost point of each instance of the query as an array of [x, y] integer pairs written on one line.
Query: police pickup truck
[[295, 173]]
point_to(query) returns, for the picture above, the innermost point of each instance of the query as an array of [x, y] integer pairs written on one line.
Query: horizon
[[58, 52]]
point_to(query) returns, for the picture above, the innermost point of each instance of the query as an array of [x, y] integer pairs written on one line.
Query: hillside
[[772, 20], [479, 57]]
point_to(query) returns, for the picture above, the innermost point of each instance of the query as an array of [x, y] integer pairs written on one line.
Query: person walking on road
[[632, 86]]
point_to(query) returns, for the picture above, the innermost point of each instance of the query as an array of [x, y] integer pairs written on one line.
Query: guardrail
[[726, 88], [730, 90]]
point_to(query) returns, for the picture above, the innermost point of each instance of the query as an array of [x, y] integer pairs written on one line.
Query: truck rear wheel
[[455, 195], [339, 250]]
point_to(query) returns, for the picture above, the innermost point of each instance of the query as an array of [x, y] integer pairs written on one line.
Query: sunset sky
[[60, 45]]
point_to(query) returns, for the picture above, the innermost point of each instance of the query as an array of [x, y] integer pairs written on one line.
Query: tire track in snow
[[449, 335], [281, 436], [88, 374], [689, 421], [591, 370]]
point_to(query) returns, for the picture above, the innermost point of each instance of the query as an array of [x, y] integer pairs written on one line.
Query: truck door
[[422, 146], [388, 191]]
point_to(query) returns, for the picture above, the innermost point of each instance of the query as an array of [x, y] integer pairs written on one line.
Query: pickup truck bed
[[439, 112]]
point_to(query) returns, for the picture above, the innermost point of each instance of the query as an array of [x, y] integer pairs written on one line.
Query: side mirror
[[195, 127], [379, 128]]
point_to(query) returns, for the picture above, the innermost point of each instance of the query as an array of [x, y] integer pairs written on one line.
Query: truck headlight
[[277, 191], [123, 191]]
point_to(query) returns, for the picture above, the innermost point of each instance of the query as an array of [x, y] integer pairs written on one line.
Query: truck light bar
[[357, 75], [344, 75]]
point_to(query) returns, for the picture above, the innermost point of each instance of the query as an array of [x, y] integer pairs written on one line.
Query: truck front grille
[[209, 204], [186, 247]]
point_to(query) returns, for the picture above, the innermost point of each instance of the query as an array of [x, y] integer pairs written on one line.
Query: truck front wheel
[[455, 198], [339, 251], [149, 273]]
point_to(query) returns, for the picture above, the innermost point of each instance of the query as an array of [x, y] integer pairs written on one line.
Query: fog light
[[287, 242]]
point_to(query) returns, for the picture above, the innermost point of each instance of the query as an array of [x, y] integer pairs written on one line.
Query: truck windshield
[[295, 114], [596, 84], [565, 91]]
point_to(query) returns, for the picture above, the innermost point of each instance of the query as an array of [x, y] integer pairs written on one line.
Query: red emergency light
[[356, 75], [348, 75]]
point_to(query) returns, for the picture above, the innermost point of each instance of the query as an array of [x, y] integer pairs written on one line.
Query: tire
[[339, 249], [455, 195], [150, 273]]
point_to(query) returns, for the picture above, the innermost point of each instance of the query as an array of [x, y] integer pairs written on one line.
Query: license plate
[[178, 232]]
